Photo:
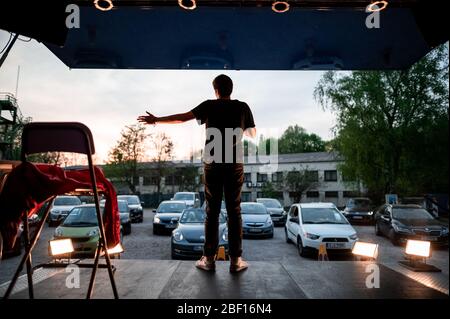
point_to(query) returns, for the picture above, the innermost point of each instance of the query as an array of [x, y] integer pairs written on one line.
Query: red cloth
[[29, 185]]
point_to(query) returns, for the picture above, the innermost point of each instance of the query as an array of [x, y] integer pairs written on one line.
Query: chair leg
[[28, 249], [94, 272], [26, 231]]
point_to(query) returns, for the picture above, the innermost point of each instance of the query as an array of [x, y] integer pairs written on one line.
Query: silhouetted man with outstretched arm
[[226, 121]]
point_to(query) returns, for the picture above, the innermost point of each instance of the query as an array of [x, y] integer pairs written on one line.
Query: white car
[[192, 199], [310, 225]]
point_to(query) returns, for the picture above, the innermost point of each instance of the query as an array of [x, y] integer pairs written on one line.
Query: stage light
[[377, 6], [418, 248], [365, 250], [116, 250], [280, 6], [188, 4], [104, 5], [61, 247]]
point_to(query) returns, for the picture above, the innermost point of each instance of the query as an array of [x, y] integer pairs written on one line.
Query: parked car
[[359, 210], [313, 224], [256, 220], [124, 211], [402, 222], [135, 205], [167, 216], [189, 236], [61, 208], [276, 211], [192, 199], [81, 226]]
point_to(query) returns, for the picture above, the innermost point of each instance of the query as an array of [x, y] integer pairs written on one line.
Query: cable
[[9, 41]]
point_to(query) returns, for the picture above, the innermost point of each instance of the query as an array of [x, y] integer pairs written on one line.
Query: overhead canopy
[[245, 35]]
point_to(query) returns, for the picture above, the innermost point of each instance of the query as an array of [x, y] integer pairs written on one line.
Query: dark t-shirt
[[227, 119]]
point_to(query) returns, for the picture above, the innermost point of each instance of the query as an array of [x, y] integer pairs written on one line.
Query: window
[[277, 177], [331, 194], [293, 212], [350, 194], [330, 176], [261, 178], [173, 180], [246, 196], [259, 195], [247, 177], [150, 180], [312, 194], [312, 176]]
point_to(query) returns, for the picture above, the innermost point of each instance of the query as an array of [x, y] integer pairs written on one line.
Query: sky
[[108, 100]]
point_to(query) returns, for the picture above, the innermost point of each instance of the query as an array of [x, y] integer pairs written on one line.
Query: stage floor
[[153, 279]]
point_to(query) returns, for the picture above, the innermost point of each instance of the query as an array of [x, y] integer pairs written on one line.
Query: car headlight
[[225, 235], [55, 211], [92, 233], [178, 236], [401, 229], [312, 236], [269, 221], [58, 232], [353, 237], [445, 231], [370, 213], [284, 213], [156, 220]]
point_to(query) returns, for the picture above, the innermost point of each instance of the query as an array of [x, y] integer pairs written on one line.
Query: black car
[[135, 205], [276, 211], [189, 236], [402, 222], [358, 210], [167, 216], [125, 220]]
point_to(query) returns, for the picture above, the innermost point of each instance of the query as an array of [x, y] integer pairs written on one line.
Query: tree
[[190, 179], [392, 126], [124, 157], [299, 181], [296, 140], [269, 190], [163, 149]]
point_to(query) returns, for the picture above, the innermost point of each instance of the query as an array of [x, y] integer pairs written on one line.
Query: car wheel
[[377, 230], [155, 231], [301, 250], [393, 237], [286, 235]]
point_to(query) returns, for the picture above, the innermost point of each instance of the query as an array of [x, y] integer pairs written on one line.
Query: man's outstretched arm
[[171, 119]]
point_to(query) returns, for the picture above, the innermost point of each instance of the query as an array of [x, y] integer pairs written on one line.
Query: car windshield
[[123, 206], [67, 201], [359, 203], [411, 213], [171, 207], [132, 200], [197, 216], [81, 217], [322, 216], [182, 196], [253, 209], [270, 203]]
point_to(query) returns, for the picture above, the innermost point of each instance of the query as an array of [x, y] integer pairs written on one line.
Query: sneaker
[[206, 263], [237, 264]]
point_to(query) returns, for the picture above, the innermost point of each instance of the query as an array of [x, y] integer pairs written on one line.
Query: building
[[328, 184]]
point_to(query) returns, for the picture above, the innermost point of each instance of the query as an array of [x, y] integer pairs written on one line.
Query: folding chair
[[71, 138]]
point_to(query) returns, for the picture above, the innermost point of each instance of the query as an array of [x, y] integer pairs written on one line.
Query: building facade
[[328, 184]]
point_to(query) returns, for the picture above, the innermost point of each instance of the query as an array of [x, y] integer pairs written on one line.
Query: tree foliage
[[296, 140], [392, 126], [298, 182]]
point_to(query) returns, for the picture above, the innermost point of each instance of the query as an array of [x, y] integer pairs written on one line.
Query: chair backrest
[[70, 137]]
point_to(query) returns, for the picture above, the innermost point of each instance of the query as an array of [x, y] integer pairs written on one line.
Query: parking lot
[[142, 244]]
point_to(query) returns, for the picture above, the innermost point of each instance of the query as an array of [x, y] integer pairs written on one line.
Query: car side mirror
[[142, 203], [154, 210]]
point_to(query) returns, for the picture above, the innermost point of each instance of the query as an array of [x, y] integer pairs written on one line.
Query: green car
[[81, 227]]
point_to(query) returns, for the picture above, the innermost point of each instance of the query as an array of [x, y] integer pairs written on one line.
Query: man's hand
[[148, 119]]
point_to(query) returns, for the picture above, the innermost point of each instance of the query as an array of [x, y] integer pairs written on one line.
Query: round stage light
[[280, 6], [188, 4], [377, 6], [104, 5]]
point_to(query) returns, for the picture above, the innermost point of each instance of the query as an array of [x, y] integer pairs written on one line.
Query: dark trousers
[[224, 178]]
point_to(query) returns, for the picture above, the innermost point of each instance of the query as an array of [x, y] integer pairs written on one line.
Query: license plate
[[357, 217], [251, 230], [335, 246], [198, 248], [171, 226]]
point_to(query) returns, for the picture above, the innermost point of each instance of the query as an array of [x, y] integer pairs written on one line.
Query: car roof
[[185, 193], [127, 196], [251, 203], [266, 198], [317, 205], [173, 201], [67, 196], [406, 206]]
